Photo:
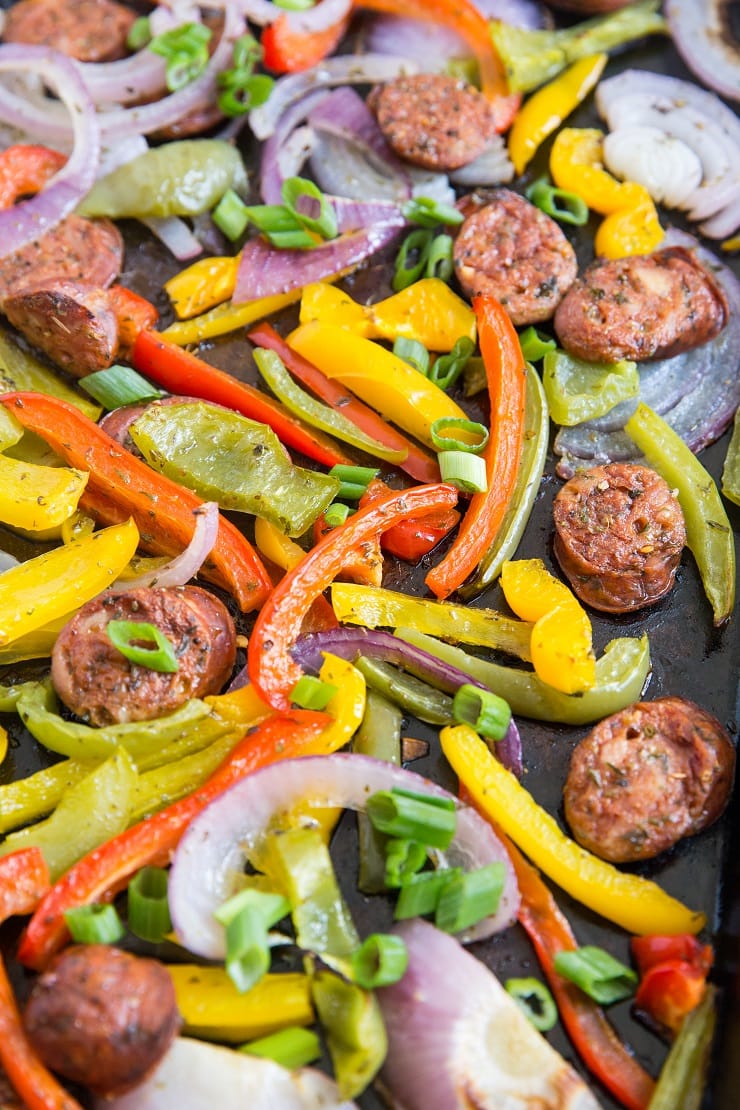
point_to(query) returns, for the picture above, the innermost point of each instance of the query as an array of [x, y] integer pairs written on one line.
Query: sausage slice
[[100, 685], [619, 535], [641, 307], [511, 250], [77, 249], [70, 321], [646, 777], [89, 30]]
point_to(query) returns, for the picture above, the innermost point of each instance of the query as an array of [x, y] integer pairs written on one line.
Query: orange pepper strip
[[506, 374], [287, 51], [271, 669], [26, 168], [99, 875], [122, 486], [24, 880], [133, 314]]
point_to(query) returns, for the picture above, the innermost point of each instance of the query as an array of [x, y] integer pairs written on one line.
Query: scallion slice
[[231, 215], [561, 204], [469, 898], [271, 907], [336, 514], [159, 657], [411, 260], [354, 480], [443, 442], [447, 368], [597, 973], [310, 692], [428, 212], [325, 224], [185, 50], [380, 960], [535, 1000], [119, 385], [420, 893], [140, 33], [535, 344], [439, 258], [148, 909], [247, 948], [483, 710], [413, 352], [244, 91], [293, 1047], [97, 923], [403, 858], [465, 471], [412, 818]]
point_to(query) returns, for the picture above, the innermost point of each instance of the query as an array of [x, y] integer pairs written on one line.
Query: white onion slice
[[193, 1074], [185, 566], [175, 234], [492, 167], [213, 851], [668, 168], [29, 219], [705, 44], [457, 1039]]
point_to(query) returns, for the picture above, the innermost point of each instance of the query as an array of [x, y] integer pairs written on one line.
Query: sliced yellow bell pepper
[[629, 231], [3, 743], [561, 643], [227, 317], [546, 109], [208, 282], [383, 380], [427, 311], [636, 904], [59, 581], [212, 1008], [38, 497], [275, 545]]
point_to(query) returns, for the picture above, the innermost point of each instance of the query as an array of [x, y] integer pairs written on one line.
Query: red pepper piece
[[287, 51], [25, 169], [178, 371], [271, 668], [122, 486], [651, 950], [506, 376], [363, 564], [419, 464], [133, 313], [411, 540], [99, 875], [668, 991]]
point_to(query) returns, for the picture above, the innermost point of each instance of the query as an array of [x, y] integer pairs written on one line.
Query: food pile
[[357, 401]]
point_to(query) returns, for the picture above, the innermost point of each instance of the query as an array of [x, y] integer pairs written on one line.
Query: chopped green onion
[[231, 215], [140, 33], [270, 906], [148, 909], [246, 52], [535, 1000], [413, 352], [571, 210], [597, 973], [446, 443], [403, 858], [469, 898], [416, 245], [475, 376], [483, 710], [380, 960], [297, 239], [439, 259], [244, 91], [119, 385], [97, 923], [336, 514], [247, 948], [420, 893], [295, 5], [310, 692], [427, 212], [160, 657], [325, 224], [441, 801], [535, 344], [412, 818], [292, 1047], [465, 471], [354, 480], [185, 50], [447, 368]]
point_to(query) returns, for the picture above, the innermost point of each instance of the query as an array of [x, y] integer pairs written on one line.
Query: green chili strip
[[293, 1047], [310, 692], [562, 205], [97, 923], [126, 636], [380, 960], [487, 713], [535, 999], [597, 973], [148, 909], [465, 471], [468, 898], [443, 442]]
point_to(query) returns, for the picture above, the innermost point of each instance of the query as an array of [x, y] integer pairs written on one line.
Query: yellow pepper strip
[[636, 904], [275, 545], [37, 644], [427, 311], [11, 430], [3, 743], [227, 317], [213, 1009], [60, 581], [561, 644], [373, 607], [546, 109], [576, 164], [243, 707], [38, 497], [732, 244], [380, 378], [208, 282]]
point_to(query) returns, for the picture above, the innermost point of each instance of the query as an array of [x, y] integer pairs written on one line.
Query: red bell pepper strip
[[271, 668], [670, 990], [362, 564], [411, 540], [648, 951], [25, 169], [419, 464], [122, 486], [465, 18], [287, 51], [506, 376], [133, 314], [179, 371], [99, 875], [24, 880]]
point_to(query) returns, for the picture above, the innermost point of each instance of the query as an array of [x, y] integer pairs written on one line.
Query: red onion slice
[[175, 234], [456, 1038], [29, 219], [703, 37], [213, 851], [322, 15], [186, 565], [276, 164]]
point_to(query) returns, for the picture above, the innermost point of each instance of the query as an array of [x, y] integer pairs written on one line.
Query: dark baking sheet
[[689, 658]]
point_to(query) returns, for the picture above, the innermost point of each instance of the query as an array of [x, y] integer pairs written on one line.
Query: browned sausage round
[[89, 30], [433, 120], [77, 249], [102, 1017], [511, 250], [70, 321], [101, 686], [619, 534], [641, 307], [646, 777]]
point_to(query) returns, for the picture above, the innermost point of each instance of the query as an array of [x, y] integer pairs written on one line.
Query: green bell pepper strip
[[354, 1030], [410, 693], [19, 370], [681, 1080], [302, 404], [578, 390], [621, 674], [531, 468], [162, 786], [88, 814], [708, 530], [182, 178], [32, 798], [379, 735], [225, 457], [10, 695], [731, 469]]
